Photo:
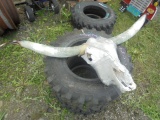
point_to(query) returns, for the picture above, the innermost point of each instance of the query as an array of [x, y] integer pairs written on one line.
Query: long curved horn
[[130, 32], [60, 52]]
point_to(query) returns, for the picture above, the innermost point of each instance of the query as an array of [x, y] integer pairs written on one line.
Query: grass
[[21, 69], [2, 115]]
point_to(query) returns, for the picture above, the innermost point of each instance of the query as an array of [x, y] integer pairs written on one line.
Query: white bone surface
[[101, 54]]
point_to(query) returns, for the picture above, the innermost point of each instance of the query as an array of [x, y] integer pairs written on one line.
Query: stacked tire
[[76, 83], [93, 15]]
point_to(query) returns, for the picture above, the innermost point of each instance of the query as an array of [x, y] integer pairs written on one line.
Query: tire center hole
[[79, 66], [94, 12]]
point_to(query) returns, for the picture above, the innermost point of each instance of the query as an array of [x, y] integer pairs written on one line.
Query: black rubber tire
[[93, 15], [125, 58], [29, 13], [80, 91], [145, 23], [56, 5]]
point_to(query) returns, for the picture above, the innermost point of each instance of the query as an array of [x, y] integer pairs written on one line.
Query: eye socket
[[89, 57]]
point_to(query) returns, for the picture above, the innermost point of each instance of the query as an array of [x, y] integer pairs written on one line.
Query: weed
[[2, 115]]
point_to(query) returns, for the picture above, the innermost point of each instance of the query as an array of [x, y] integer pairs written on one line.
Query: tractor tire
[[93, 15], [29, 13], [74, 82]]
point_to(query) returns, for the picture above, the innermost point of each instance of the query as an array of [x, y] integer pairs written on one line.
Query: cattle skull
[[104, 59], [100, 53]]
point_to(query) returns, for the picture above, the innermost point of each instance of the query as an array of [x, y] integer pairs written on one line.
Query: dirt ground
[[33, 109], [115, 112]]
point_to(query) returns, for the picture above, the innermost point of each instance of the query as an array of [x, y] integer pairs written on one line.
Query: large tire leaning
[[74, 82], [93, 15]]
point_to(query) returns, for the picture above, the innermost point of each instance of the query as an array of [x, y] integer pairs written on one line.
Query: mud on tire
[[74, 82], [93, 15]]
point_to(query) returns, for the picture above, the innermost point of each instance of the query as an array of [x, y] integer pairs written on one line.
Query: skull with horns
[[100, 53]]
